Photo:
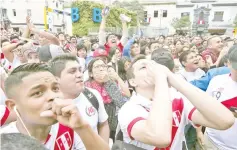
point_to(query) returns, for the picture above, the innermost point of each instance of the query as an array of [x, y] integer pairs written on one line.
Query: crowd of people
[[60, 92]]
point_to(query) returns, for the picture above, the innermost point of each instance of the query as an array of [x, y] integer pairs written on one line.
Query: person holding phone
[[223, 88], [111, 39]]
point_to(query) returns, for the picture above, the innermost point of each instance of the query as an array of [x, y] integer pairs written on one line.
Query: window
[[185, 14], [155, 13], [218, 16], [165, 13], [145, 14], [14, 12], [4, 12]]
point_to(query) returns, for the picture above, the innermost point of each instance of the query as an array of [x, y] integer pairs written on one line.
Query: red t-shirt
[[107, 47], [207, 52]]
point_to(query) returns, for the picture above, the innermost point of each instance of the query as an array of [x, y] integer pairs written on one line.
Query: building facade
[[206, 16], [15, 11]]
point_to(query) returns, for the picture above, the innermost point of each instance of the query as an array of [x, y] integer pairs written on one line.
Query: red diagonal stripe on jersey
[[230, 102], [2, 56], [5, 116], [177, 106]]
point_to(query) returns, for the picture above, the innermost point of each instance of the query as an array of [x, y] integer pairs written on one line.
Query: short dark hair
[[130, 73], [81, 46], [58, 63], [16, 141], [16, 76], [72, 37], [107, 37], [90, 66], [163, 57], [3, 41], [13, 37], [183, 56]]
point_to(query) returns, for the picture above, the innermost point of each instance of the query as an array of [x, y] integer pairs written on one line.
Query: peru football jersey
[[138, 108], [4, 114], [224, 89], [59, 138]]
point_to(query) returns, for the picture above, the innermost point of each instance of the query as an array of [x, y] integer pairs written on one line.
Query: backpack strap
[[91, 97], [64, 139]]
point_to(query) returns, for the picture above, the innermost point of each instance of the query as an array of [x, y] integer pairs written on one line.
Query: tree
[[133, 5], [181, 23], [85, 22]]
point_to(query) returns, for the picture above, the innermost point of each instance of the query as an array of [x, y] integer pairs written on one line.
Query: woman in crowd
[[104, 82], [178, 48]]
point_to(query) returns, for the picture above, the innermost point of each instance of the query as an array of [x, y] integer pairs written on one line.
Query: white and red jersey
[[4, 114], [224, 89], [138, 107], [4, 62], [59, 138]]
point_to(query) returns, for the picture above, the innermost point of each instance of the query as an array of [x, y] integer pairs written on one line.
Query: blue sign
[[96, 15], [75, 14]]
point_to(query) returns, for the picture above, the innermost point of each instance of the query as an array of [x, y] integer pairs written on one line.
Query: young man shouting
[[42, 113], [158, 117]]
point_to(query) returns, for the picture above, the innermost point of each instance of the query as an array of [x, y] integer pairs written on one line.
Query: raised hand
[[66, 112]]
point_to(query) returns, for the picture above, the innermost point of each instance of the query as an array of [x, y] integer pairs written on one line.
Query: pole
[[45, 15], [63, 21]]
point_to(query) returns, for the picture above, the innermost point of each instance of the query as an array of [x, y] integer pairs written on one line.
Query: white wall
[[37, 12], [160, 21]]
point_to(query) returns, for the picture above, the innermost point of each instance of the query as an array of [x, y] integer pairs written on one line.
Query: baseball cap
[[48, 52], [100, 52], [163, 57], [232, 56]]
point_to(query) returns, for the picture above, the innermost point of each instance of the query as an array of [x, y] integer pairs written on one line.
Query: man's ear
[[132, 83], [183, 63], [10, 103]]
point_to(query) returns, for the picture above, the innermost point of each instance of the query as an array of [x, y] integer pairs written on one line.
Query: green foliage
[[85, 22], [133, 5], [181, 23], [235, 21]]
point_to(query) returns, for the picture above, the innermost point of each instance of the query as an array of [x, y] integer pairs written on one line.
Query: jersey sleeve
[[189, 109], [129, 116], [103, 116]]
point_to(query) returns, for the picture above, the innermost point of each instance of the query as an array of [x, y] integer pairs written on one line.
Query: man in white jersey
[[224, 89], [70, 76], [154, 118], [33, 93]]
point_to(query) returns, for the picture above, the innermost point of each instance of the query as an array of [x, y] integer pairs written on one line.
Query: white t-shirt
[[89, 113], [138, 107], [64, 141], [224, 89], [190, 76]]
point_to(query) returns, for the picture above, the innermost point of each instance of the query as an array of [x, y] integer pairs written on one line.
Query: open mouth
[[196, 62]]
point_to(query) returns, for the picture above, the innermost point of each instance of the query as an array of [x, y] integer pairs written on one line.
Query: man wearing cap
[[223, 88]]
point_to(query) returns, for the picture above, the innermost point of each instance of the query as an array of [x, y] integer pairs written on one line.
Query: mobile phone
[[106, 11], [233, 109]]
